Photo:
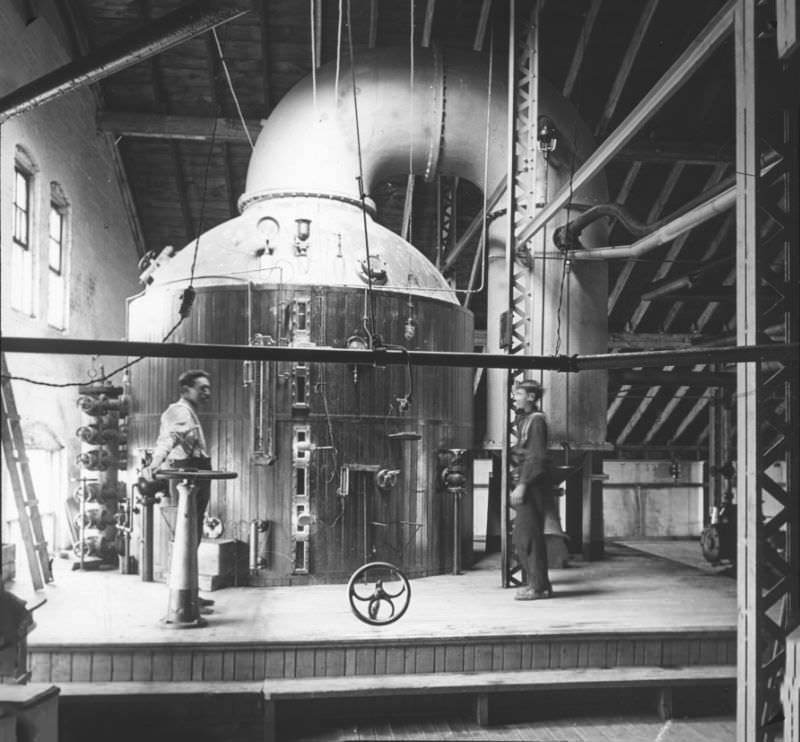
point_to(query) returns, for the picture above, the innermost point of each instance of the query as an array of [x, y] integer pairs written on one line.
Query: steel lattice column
[[768, 520], [523, 156]]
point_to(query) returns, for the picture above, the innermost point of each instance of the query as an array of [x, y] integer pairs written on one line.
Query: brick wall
[[61, 138]]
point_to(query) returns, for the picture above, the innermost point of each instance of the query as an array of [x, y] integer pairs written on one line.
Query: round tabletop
[[195, 474]]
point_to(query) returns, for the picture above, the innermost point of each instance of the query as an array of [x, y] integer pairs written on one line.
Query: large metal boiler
[[343, 463]]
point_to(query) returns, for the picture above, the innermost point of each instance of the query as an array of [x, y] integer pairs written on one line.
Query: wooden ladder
[[19, 473]]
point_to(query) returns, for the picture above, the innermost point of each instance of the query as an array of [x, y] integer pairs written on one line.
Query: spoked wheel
[[379, 593]]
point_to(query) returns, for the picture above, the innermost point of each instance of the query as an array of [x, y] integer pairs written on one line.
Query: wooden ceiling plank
[[483, 22], [157, 36], [162, 101], [263, 7], [627, 65], [673, 252], [698, 51], [655, 211], [580, 47]]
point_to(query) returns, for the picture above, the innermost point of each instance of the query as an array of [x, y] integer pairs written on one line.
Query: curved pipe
[[309, 142], [667, 233]]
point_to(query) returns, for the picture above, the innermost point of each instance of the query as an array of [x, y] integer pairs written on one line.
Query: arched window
[[58, 242], [23, 296]]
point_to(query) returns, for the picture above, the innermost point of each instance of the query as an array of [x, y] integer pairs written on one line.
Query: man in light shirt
[[182, 443]]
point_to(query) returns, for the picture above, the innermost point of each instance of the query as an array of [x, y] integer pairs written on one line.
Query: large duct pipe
[[314, 145], [310, 143]]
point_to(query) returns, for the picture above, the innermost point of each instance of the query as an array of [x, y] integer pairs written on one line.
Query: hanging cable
[[338, 54], [373, 338], [312, 14], [224, 64]]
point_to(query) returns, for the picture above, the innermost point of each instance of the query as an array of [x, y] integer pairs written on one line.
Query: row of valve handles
[[100, 402]]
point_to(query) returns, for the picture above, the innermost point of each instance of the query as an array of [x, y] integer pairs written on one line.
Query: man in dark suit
[[531, 488]]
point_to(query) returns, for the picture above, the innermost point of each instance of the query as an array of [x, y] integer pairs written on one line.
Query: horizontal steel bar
[[397, 356]]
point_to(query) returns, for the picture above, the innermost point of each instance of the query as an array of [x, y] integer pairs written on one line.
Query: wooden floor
[[601, 729], [633, 608], [629, 590]]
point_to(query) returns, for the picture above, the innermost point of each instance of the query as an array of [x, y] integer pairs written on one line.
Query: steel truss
[[523, 118], [768, 517]]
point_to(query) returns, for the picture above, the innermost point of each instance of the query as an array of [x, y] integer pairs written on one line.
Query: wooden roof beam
[[580, 47], [673, 253], [144, 43], [163, 126], [627, 65], [427, 28], [655, 211], [483, 22], [689, 153], [707, 41]]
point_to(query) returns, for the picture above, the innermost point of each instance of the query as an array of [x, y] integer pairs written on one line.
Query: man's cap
[[530, 385]]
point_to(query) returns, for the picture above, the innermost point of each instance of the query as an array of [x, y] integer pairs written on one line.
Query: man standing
[[182, 443], [530, 480]]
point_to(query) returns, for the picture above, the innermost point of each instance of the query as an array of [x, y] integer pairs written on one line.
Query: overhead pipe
[[674, 227], [786, 353], [691, 219], [309, 143], [158, 36], [670, 82]]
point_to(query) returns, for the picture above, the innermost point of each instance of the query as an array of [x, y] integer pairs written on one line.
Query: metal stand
[[183, 608]]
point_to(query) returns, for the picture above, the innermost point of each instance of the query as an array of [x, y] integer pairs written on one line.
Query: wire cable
[[230, 87], [360, 179]]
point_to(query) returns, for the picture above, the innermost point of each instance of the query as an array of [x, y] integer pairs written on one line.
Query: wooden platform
[[630, 609]]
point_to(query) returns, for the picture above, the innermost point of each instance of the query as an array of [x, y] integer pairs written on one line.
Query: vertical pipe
[[147, 541], [253, 545]]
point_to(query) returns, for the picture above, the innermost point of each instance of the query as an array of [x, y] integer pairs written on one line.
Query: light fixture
[[301, 235], [269, 229], [356, 342]]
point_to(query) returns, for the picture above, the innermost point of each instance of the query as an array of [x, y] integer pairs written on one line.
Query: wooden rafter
[[427, 27], [713, 248], [483, 22], [626, 66], [647, 400], [669, 408], [164, 126], [673, 253], [655, 212], [580, 47]]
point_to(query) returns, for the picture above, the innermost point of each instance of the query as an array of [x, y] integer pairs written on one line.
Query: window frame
[[23, 270], [57, 300]]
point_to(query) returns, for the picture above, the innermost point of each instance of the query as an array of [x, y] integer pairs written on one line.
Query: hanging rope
[[369, 322]]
